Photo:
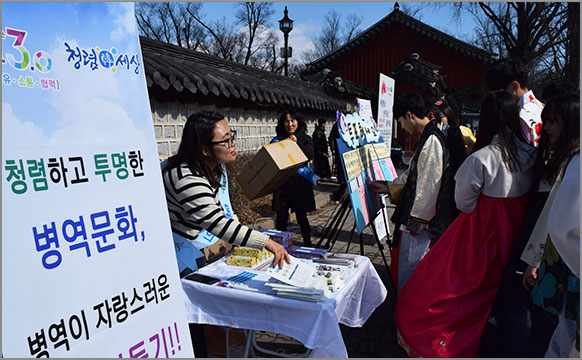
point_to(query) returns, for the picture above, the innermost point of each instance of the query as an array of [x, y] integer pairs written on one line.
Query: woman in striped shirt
[[192, 179]]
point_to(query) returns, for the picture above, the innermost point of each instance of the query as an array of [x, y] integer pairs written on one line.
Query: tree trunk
[[572, 68]]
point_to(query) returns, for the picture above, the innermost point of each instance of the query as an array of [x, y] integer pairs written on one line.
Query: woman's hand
[[529, 277], [280, 255], [292, 138]]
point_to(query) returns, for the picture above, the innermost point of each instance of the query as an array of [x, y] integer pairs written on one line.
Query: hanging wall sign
[[88, 263], [365, 157]]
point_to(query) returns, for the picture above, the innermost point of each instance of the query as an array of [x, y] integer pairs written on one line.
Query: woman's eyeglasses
[[229, 142]]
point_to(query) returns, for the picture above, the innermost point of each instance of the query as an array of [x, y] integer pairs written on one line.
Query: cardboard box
[[272, 166], [216, 251]]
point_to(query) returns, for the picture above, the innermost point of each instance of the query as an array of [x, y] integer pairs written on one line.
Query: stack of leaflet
[[246, 281], [298, 280], [304, 252], [284, 238]]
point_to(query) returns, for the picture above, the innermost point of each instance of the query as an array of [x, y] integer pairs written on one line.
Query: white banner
[[365, 110], [385, 103], [382, 220], [88, 263]]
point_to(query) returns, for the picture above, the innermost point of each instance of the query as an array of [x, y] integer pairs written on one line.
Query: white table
[[316, 325]]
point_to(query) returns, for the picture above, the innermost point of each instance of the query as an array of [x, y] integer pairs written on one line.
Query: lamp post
[[286, 25]]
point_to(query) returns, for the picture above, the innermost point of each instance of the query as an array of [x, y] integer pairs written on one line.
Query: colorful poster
[[385, 104], [364, 158], [88, 263]]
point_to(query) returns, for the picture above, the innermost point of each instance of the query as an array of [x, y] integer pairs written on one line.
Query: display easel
[[334, 228], [340, 216]]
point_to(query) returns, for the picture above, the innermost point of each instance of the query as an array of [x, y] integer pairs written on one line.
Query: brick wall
[[254, 128]]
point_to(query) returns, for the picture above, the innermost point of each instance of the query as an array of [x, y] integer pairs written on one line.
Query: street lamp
[[286, 25]]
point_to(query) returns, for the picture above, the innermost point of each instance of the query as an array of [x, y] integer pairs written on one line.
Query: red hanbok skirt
[[442, 309]]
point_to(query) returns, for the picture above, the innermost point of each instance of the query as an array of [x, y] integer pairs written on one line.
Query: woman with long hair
[[192, 180], [555, 280], [448, 115], [442, 309], [508, 332], [297, 193]]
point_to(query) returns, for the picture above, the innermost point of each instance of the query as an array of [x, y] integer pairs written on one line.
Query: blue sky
[[84, 95], [308, 17]]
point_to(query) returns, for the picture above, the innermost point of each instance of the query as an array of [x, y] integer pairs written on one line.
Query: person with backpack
[[442, 309]]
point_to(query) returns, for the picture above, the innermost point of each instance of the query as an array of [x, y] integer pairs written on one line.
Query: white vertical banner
[[385, 103], [88, 263], [365, 110], [382, 220]]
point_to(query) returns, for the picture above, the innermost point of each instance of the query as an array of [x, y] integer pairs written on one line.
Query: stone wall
[[254, 128]]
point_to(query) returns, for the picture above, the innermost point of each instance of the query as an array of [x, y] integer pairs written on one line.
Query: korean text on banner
[[385, 104], [88, 265]]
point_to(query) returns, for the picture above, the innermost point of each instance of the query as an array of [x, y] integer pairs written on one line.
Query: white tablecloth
[[316, 325]]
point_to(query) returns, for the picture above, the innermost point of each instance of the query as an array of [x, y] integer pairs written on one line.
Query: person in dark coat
[[321, 156], [297, 193], [333, 136]]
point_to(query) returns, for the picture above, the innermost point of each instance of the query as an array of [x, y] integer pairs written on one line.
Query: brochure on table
[[296, 273], [88, 265]]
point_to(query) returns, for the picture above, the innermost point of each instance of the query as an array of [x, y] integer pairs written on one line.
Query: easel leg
[[381, 248], [337, 233], [332, 226], [350, 240]]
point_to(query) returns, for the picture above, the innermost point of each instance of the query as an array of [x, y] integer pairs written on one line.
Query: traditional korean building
[[419, 57], [181, 82]]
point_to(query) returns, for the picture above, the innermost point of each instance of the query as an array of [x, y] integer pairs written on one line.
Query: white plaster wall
[[254, 128]]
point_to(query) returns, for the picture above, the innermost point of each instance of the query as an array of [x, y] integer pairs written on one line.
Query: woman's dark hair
[[557, 88], [448, 111], [198, 133], [280, 129], [431, 107], [499, 116], [564, 109]]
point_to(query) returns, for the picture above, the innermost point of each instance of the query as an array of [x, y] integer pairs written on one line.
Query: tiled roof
[[398, 17], [421, 73], [170, 66], [334, 84]]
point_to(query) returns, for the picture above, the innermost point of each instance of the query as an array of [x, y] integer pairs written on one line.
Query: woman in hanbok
[[556, 284], [509, 331], [442, 310]]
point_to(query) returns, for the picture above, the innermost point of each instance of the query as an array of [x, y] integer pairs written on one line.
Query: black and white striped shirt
[[194, 205]]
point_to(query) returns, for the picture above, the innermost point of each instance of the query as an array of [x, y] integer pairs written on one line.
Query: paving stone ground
[[378, 337]]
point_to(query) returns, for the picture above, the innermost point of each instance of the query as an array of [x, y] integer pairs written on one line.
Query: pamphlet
[[296, 273]]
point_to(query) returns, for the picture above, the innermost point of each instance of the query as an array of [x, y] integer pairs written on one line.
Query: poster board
[[88, 263], [385, 104], [365, 158]]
